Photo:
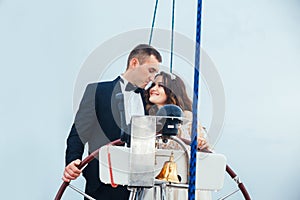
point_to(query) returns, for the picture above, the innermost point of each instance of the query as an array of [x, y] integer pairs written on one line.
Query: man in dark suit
[[97, 121]]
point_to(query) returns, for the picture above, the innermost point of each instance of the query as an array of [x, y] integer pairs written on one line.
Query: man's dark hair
[[143, 51]]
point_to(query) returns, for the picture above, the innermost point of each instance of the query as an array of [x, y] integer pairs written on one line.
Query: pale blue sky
[[255, 46]]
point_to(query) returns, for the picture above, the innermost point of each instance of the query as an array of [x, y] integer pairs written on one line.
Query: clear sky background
[[255, 46]]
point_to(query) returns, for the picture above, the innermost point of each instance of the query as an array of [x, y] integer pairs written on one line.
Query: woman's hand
[[202, 143]]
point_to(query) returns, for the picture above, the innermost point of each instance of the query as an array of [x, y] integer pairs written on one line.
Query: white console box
[[210, 167], [139, 165]]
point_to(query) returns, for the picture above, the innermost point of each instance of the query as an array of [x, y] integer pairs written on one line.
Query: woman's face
[[157, 93]]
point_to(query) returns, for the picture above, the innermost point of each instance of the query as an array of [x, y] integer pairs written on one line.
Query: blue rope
[[153, 22], [172, 36], [192, 179]]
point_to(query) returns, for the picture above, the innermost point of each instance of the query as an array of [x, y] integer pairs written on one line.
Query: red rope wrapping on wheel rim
[[240, 184], [88, 159]]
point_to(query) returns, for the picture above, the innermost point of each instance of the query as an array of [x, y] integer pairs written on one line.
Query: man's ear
[[134, 62]]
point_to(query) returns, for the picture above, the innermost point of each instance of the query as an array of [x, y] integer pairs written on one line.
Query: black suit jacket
[[97, 122]]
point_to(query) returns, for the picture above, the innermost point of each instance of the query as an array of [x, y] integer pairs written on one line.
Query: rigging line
[[172, 36], [192, 180], [153, 22]]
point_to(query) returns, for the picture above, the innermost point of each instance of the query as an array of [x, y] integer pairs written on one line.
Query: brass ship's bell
[[169, 171]]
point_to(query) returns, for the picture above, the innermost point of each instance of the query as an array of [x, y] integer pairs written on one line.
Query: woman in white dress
[[170, 89]]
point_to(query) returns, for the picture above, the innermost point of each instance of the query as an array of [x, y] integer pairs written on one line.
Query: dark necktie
[[131, 87]]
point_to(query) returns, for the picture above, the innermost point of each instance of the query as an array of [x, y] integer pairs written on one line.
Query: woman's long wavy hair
[[175, 91]]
